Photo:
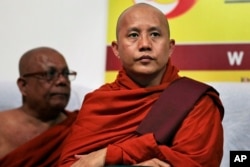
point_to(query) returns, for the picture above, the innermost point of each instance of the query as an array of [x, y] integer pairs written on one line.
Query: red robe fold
[[110, 116], [43, 150]]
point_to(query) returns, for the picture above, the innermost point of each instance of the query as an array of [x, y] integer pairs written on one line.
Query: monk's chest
[[17, 135]]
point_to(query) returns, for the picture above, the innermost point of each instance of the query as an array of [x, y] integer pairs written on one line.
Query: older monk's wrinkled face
[[44, 92]]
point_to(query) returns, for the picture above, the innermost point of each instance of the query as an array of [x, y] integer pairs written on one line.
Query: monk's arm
[[199, 142]]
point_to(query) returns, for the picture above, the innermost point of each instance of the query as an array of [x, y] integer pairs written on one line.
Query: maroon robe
[[110, 116], [43, 150]]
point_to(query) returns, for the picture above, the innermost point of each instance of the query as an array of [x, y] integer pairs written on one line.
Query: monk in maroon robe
[[43, 150], [105, 130], [33, 134]]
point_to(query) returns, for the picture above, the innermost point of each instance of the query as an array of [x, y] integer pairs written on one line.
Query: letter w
[[235, 58]]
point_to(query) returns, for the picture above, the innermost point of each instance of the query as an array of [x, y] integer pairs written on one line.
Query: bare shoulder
[[7, 124], [8, 120], [11, 123], [7, 115]]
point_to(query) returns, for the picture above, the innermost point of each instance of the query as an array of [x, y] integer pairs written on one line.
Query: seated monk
[[108, 128], [32, 134]]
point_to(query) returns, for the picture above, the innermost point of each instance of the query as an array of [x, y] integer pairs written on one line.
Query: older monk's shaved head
[[28, 60]]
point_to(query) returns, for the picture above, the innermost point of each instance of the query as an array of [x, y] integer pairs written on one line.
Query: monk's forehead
[[141, 10], [50, 58], [42, 59]]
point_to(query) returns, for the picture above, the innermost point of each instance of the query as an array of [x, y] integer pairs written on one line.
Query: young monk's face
[[143, 43]]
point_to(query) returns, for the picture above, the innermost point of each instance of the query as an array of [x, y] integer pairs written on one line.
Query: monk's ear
[[22, 85], [171, 46], [115, 49]]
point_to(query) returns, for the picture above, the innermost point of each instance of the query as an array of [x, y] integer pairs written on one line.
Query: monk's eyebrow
[[149, 30], [154, 29], [54, 68], [133, 29]]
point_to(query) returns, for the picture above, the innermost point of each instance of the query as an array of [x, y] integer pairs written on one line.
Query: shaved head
[[51, 94], [29, 59], [141, 7]]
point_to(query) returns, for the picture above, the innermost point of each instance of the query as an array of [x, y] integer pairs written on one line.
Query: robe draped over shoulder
[[43, 150], [111, 114]]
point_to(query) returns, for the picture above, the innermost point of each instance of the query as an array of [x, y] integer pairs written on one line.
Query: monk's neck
[[147, 80]]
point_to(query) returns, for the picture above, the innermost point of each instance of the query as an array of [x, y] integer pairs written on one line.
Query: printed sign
[[212, 39]]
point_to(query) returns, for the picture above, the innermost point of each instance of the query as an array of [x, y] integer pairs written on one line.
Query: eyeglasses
[[52, 75]]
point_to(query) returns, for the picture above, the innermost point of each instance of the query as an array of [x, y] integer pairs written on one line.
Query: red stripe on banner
[[112, 62], [201, 57]]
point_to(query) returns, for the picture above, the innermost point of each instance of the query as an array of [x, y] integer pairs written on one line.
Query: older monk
[[32, 134]]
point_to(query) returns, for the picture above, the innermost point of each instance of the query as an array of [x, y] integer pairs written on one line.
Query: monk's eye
[[51, 74], [133, 35], [155, 34]]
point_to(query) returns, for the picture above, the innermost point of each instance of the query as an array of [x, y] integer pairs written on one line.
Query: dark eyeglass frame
[[52, 75]]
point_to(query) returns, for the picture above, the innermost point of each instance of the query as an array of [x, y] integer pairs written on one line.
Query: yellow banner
[[207, 21], [196, 22]]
